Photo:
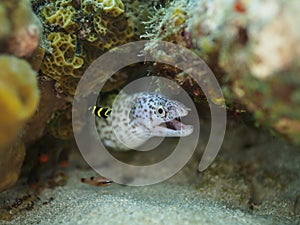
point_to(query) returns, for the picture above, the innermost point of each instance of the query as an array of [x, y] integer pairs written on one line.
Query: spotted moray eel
[[137, 117]]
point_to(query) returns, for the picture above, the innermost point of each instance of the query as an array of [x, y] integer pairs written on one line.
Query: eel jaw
[[173, 128]]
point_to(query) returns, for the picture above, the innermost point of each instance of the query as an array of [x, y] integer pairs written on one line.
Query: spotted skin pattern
[[137, 117]]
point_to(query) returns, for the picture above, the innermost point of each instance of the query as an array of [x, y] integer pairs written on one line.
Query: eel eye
[[160, 111]]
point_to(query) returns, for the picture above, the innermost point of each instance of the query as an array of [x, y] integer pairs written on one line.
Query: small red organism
[[239, 6], [43, 158], [63, 164]]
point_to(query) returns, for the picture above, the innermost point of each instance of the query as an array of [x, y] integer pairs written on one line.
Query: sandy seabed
[[214, 197]]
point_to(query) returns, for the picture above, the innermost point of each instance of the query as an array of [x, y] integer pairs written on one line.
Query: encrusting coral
[[169, 24], [76, 33], [259, 53], [62, 62]]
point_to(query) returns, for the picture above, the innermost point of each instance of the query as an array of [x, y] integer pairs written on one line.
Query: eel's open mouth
[[172, 128], [175, 124]]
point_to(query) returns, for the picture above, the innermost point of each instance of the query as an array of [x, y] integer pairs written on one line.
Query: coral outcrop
[[259, 52], [252, 53], [19, 94], [76, 33]]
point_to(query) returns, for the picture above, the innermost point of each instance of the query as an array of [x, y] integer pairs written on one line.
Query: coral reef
[[76, 33], [258, 51], [140, 12], [236, 38], [19, 95], [172, 23], [169, 24], [253, 48], [62, 63]]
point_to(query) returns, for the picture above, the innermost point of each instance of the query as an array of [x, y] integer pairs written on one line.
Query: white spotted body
[[138, 117]]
